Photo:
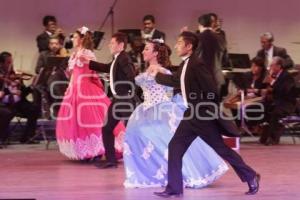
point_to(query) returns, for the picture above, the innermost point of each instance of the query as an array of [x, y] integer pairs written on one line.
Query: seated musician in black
[[14, 98], [5, 115], [280, 100], [252, 83], [51, 87]]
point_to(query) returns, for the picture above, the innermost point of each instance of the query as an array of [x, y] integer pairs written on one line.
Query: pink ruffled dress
[[82, 113]]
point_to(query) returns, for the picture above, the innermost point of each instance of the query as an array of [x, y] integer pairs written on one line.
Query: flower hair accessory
[[160, 40], [83, 30]]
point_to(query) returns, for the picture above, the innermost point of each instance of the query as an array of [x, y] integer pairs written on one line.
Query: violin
[[21, 76], [17, 76], [10, 81]]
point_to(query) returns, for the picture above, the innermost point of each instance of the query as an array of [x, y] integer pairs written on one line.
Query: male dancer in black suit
[[122, 86], [199, 94]]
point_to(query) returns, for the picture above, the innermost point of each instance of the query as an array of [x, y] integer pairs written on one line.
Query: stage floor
[[30, 171]]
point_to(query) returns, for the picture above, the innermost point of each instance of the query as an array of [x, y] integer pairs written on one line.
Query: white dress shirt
[[269, 56], [111, 74], [275, 79], [182, 77], [147, 35]]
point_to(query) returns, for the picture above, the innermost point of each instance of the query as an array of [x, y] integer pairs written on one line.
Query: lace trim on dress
[[74, 58], [89, 147], [189, 182]]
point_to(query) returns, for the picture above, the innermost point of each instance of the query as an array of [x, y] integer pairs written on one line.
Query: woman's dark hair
[[87, 42], [163, 53], [258, 61]]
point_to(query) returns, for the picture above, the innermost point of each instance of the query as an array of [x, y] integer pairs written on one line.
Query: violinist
[[6, 116], [14, 94], [280, 100]]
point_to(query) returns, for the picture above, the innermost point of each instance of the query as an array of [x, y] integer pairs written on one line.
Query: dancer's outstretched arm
[[99, 67], [171, 80]]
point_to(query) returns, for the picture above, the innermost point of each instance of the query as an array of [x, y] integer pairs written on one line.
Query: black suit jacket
[[278, 51], [158, 35], [284, 92], [209, 49], [43, 41], [200, 87], [123, 71]]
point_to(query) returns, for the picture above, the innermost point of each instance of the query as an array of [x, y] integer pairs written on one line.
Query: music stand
[[52, 63], [97, 37], [131, 34], [239, 60]]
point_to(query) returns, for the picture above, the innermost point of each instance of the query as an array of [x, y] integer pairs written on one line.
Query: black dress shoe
[[253, 185], [166, 194], [107, 165]]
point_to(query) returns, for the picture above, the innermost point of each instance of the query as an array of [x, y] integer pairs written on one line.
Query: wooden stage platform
[[30, 171]]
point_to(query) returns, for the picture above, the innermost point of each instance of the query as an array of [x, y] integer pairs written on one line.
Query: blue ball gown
[[148, 133]]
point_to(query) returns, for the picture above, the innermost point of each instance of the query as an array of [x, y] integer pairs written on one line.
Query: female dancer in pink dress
[[82, 111]]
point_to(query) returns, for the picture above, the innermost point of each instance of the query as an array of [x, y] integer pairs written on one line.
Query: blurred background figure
[[149, 31], [51, 28]]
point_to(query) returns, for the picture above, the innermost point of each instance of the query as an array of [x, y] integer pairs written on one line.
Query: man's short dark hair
[[149, 17], [190, 38], [205, 20], [121, 37], [258, 61], [48, 18]]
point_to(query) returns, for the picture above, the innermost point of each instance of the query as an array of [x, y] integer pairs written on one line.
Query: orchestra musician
[[6, 116], [13, 99], [149, 31], [280, 100], [51, 29], [252, 84], [269, 50], [46, 89]]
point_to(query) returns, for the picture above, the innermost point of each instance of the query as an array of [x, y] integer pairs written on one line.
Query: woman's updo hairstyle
[[87, 36], [163, 52]]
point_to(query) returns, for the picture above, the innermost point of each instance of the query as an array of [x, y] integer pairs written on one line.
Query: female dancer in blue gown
[[151, 127]]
